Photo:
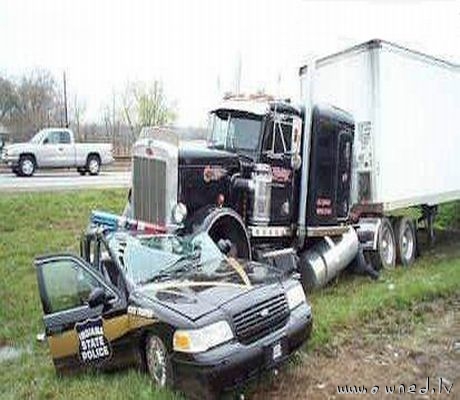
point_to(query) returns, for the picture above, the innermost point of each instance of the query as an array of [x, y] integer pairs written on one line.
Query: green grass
[[33, 224], [449, 215]]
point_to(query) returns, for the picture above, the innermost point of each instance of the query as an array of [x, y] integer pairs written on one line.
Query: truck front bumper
[[229, 366], [10, 161]]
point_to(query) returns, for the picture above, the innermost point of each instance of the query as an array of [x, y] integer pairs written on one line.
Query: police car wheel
[[158, 362]]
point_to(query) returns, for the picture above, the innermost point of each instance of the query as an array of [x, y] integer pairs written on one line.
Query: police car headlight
[[179, 212], [295, 296], [199, 340]]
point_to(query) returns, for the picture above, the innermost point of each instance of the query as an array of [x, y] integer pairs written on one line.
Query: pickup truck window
[[64, 137], [57, 137]]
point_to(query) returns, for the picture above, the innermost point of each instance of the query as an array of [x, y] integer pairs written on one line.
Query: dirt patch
[[383, 353]]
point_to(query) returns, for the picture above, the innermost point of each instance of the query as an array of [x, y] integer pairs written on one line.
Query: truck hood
[[194, 296], [18, 147], [199, 155]]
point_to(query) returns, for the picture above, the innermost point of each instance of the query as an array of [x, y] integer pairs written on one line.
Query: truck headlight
[[202, 339], [179, 212], [295, 296]]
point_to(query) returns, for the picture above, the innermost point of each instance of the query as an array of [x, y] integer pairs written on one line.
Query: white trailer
[[407, 140]]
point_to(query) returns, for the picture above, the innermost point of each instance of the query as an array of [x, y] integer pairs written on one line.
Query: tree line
[[35, 100]]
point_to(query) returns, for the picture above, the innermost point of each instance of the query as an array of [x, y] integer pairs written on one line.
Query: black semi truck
[[310, 186]]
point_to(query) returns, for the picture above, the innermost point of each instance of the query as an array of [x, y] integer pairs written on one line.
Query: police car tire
[[158, 362]]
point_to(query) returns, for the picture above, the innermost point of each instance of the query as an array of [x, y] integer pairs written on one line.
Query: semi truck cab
[[269, 133], [244, 186]]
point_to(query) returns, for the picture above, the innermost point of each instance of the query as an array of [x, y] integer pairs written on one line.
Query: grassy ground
[[33, 224]]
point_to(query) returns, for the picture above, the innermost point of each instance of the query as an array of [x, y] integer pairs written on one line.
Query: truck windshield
[[38, 137], [230, 131]]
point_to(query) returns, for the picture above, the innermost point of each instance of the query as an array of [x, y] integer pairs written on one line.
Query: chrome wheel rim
[[27, 167], [93, 166], [387, 250], [407, 243], [156, 361]]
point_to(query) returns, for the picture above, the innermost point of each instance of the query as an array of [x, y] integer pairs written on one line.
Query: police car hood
[[194, 296]]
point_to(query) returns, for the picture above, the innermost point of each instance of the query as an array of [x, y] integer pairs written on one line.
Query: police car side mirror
[[97, 297]]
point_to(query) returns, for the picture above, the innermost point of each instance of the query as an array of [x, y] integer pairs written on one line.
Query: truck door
[[47, 155], [277, 152], [83, 314], [66, 150], [56, 150]]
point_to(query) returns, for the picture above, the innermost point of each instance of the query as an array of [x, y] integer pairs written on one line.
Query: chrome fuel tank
[[324, 261]]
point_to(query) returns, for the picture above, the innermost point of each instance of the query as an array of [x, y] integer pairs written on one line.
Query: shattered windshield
[[230, 131], [148, 259]]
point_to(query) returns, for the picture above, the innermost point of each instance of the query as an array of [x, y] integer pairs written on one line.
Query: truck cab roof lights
[[115, 222]]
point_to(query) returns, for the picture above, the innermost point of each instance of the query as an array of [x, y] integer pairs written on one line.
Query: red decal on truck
[[282, 175]]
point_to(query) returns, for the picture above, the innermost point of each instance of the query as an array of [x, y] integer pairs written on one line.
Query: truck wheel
[[385, 255], [93, 164], [406, 241], [158, 362], [26, 165], [226, 225]]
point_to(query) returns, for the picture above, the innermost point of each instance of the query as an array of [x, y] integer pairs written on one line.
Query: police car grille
[[149, 189], [262, 319]]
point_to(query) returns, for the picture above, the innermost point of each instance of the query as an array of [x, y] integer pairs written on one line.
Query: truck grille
[[149, 189], [262, 319]]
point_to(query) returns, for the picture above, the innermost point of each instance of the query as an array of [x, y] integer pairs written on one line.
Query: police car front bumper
[[229, 366]]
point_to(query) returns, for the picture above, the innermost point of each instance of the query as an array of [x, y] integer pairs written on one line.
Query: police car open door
[[83, 313]]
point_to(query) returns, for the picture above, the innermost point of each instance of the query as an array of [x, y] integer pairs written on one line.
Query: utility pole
[[66, 118]]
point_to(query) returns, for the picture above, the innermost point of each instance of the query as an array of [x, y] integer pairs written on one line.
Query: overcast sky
[[194, 46]]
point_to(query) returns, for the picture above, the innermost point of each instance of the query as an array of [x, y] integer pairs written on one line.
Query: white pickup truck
[[56, 148]]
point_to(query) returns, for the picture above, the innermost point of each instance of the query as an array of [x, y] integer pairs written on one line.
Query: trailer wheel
[[385, 255], [406, 241]]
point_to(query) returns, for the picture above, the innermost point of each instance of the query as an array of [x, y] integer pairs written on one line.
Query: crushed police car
[[194, 318]]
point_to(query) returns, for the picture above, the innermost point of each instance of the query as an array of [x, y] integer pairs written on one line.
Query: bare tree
[[145, 104], [9, 100], [77, 111], [29, 103], [111, 118]]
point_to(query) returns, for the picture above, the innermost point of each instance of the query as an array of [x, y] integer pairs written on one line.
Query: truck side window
[[286, 131], [64, 137], [53, 138], [278, 137], [273, 141]]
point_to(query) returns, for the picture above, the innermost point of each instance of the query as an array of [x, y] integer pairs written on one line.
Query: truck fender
[[223, 223]]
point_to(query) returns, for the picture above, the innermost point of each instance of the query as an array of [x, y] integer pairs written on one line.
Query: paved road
[[49, 181]]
